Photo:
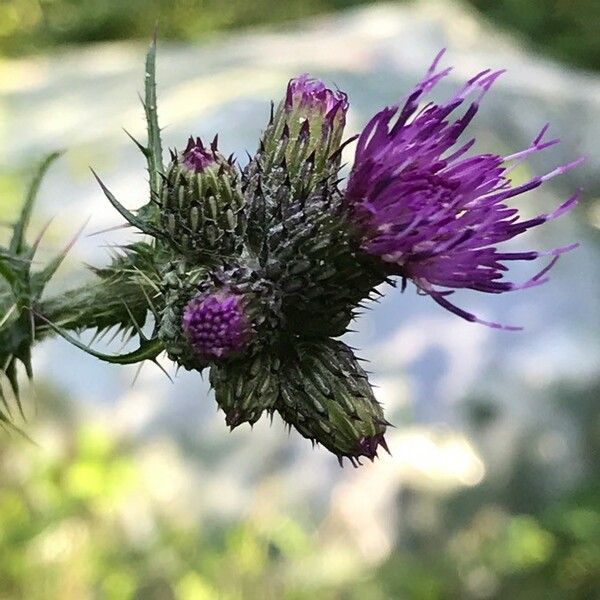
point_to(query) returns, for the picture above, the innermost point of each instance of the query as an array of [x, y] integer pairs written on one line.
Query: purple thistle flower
[[434, 213], [216, 325], [312, 94], [197, 157]]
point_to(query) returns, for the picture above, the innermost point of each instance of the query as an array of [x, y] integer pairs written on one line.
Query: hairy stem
[[98, 305]]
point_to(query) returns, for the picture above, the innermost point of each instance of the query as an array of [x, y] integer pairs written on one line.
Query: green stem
[[98, 305]]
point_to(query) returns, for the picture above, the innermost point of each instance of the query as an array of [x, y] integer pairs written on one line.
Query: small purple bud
[[197, 157], [216, 325], [368, 446], [305, 92]]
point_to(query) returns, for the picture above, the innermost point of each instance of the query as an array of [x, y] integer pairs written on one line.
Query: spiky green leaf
[[17, 243], [155, 152]]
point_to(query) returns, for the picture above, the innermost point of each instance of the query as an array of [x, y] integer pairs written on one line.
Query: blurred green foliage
[[79, 519], [553, 555], [566, 29], [29, 25], [76, 522]]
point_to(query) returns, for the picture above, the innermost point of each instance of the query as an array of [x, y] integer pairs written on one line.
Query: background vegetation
[[91, 518], [565, 29]]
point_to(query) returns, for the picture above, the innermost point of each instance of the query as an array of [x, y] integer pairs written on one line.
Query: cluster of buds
[[255, 271], [297, 253]]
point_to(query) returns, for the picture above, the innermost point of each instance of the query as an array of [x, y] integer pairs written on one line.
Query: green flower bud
[[325, 394], [201, 204], [299, 156], [307, 127], [244, 389]]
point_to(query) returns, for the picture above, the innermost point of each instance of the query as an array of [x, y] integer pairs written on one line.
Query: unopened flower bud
[[245, 388], [326, 396], [201, 202], [311, 101], [299, 156], [306, 129], [216, 325]]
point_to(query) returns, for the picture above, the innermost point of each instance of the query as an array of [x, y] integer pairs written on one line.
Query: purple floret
[[197, 156], [305, 92], [434, 213], [368, 446], [216, 325]]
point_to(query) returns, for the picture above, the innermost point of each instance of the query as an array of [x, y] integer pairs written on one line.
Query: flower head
[[197, 157], [435, 214], [202, 202], [306, 93], [216, 325], [324, 393]]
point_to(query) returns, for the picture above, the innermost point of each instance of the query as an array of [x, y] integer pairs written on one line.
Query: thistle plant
[[253, 272]]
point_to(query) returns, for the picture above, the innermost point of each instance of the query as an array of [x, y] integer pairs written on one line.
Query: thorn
[[137, 374], [114, 336], [126, 214], [38, 239], [155, 361], [109, 229], [143, 149], [17, 242], [51, 268], [95, 336], [384, 445]]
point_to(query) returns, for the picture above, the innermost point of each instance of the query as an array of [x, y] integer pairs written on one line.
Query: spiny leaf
[[17, 243], [8, 272], [126, 214], [6, 413], [154, 151], [149, 348], [39, 280], [11, 374]]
